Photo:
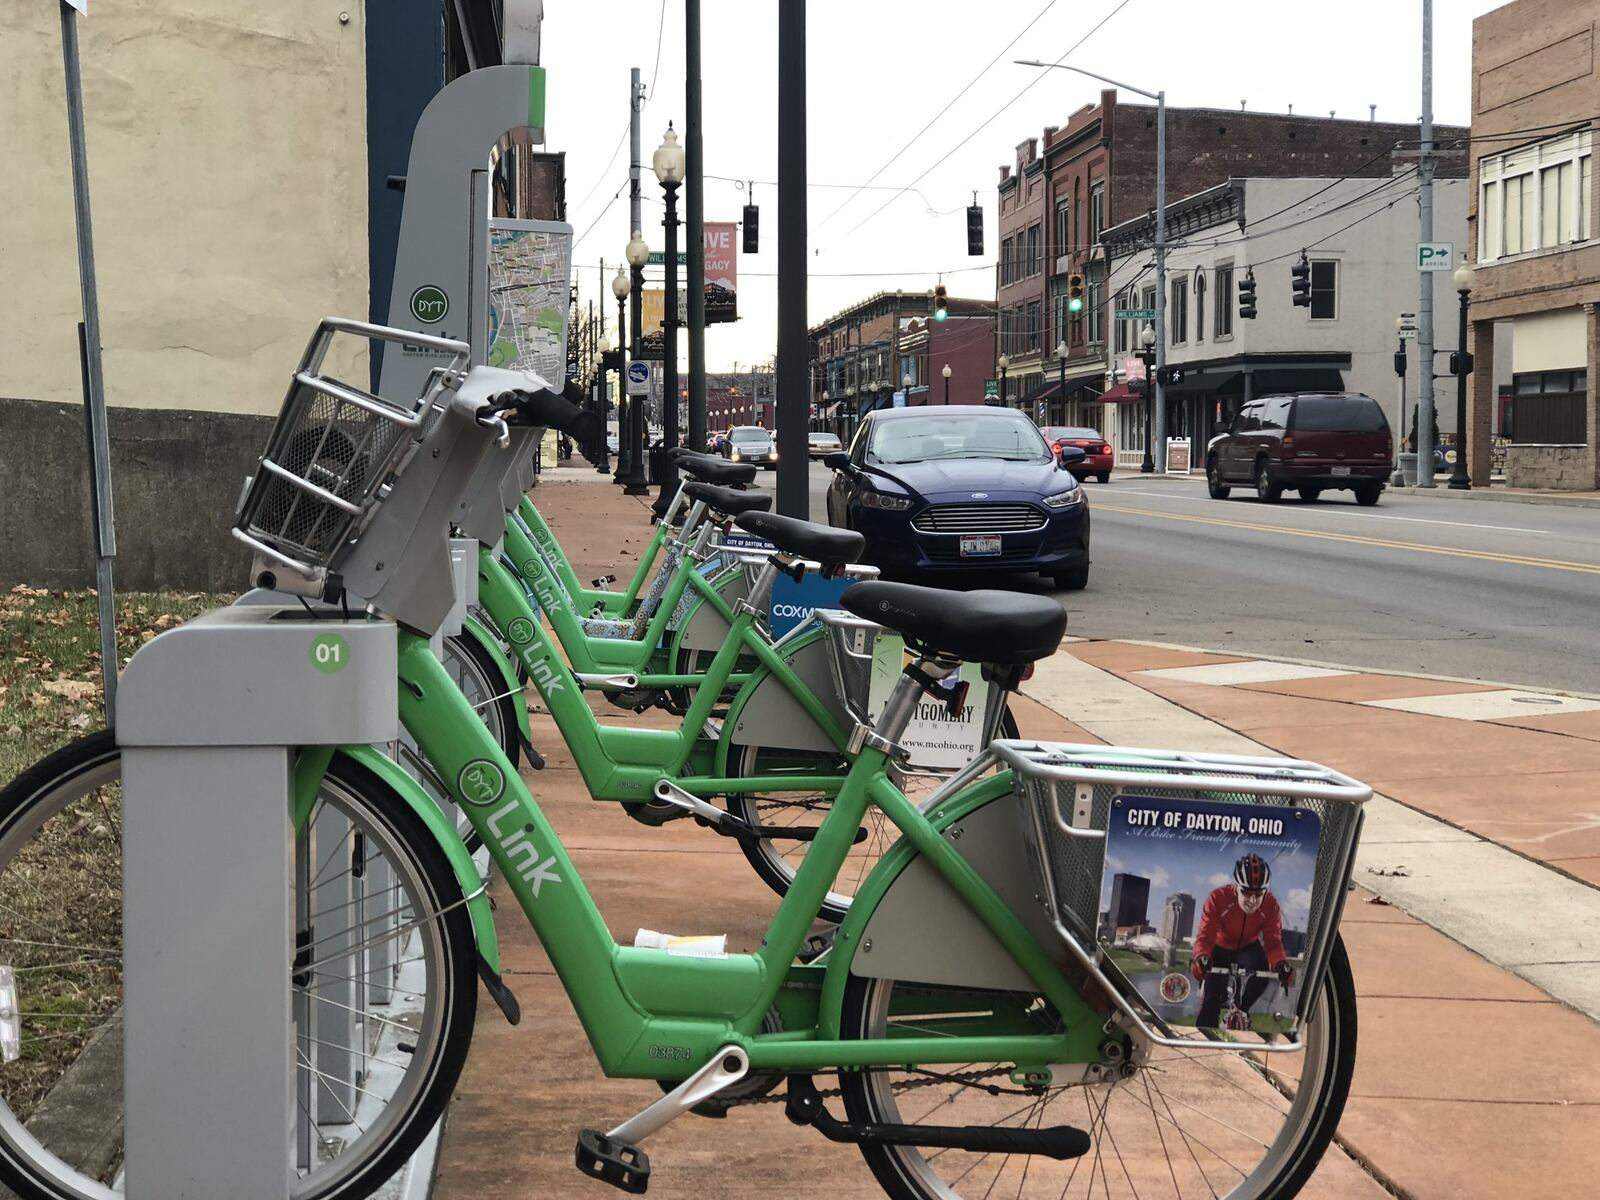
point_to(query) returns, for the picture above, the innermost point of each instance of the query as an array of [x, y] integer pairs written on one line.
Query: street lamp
[[636, 483], [1160, 333], [602, 462], [906, 384], [946, 374], [1402, 323], [669, 165], [1061, 362], [1460, 480], [849, 407], [620, 287], [1147, 343], [1003, 362]]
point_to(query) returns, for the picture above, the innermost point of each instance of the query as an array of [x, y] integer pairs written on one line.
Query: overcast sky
[[880, 71]]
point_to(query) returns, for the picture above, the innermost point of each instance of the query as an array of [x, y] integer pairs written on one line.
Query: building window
[[1222, 322], [1324, 289], [1131, 416], [1097, 210], [1063, 224], [1006, 249], [1535, 197], [1200, 304], [1179, 333], [1120, 333], [1060, 334], [1035, 326], [1035, 251], [1548, 408], [1095, 301]]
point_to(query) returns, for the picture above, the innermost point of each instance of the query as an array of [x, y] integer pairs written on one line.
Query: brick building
[[1099, 170], [963, 344], [1019, 285], [1535, 93]]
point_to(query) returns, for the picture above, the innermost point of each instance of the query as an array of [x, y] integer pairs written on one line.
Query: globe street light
[[1003, 362], [669, 163], [946, 374], [1402, 323], [1460, 480], [636, 483], [906, 385], [1147, 343], [620, 287], [602, 462], [1061, 360]]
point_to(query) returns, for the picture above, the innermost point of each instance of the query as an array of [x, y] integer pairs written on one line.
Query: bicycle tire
[[905, 1174], [499, 714], [41, 793]]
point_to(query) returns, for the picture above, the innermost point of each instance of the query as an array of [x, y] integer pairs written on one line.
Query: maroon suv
[[1309, 442]]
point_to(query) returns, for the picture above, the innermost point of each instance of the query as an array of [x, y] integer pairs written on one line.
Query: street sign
[[1435, 256], [638, 378], [658, 258], [1133, 314], [991, 390], [1407, 333]]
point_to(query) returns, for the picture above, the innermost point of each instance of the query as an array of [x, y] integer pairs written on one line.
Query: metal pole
[[694, 191], [1148, 466], [1161, 281], [1425, 423], [669, 349], [1460, 480], [624, 442], [639, 431], [94, 396], [793, 494], [1398, 478]]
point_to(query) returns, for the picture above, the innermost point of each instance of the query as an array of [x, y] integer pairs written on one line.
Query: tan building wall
[[227, 165]]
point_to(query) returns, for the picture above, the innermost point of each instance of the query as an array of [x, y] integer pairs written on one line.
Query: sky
[[880, 71]]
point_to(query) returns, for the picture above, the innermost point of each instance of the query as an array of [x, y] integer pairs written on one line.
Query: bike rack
[[207, 716]]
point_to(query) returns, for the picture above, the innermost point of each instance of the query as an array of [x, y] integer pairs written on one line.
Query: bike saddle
[[1002, 628], [829, 546], [720, 471], [726, 500]]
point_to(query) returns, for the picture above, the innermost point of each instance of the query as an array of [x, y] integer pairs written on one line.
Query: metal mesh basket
[[334, 449], [1067, 794]]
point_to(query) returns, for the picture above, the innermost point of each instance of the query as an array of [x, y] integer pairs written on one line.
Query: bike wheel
[[61, 932], [472, 667], [777, 859], [1203, 1123]]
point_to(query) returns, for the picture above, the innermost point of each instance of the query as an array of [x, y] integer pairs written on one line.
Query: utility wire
[[933, 120], [1122, 4]]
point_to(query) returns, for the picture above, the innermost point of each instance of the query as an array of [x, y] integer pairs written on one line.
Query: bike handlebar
[[551, 409]]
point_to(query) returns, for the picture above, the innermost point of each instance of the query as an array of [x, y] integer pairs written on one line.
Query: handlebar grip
[[554, 411]]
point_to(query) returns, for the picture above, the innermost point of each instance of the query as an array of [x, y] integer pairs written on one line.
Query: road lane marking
[[1350, 513], [1515, 560]]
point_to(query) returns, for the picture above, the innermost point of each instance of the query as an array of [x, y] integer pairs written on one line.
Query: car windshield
[[1011, 437], [749, 436], [1338, 414]]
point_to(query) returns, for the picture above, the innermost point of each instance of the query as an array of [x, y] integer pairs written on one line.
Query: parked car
[[717, 442], [1096, 450], [752, 444], [823, 443], [613, 443], [962, 489], [1311, 442]]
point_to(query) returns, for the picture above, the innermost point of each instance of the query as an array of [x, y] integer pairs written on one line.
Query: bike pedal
[[624, 1167]]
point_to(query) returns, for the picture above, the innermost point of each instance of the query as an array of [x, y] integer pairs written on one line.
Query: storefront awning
[[1124, 393], [1087, 386]]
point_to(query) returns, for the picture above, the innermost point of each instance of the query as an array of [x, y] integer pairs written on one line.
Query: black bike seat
[[728, 501], [829, 546], [1003, 628]]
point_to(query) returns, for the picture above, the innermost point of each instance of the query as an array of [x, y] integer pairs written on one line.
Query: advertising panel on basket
[[1205, 908], [937, 739]]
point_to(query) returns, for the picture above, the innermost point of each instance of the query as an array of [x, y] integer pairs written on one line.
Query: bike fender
[[444, 832], [475, 628], [878, 888], [765, 713]]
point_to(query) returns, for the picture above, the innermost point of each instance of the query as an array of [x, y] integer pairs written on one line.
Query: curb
[[1492, 493]]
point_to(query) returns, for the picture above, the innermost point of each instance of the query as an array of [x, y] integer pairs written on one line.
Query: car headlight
[[1065, 499], [733, 455], [871, 499], [774, 454]]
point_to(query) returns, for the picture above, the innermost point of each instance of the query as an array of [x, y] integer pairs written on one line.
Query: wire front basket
[[1069, 796], [334, 452]]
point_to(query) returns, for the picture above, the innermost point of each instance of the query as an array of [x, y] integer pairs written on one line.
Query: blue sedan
[[961, 489]]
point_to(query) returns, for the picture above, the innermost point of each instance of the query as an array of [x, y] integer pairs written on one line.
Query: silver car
[[752, 444], [822, 443]]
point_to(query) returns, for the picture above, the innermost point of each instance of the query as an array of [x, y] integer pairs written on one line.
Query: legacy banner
[[722, 272]]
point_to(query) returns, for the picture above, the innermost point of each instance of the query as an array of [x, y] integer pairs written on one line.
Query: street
[[1496, 591]]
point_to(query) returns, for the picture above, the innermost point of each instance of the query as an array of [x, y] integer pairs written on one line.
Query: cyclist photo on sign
[[1241, 927]]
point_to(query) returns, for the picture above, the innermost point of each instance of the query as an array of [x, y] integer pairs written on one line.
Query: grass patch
[[50, 690]]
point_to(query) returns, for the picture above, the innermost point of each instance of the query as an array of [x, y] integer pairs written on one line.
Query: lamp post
[[1061, 363], [1147, 343], [849, 408], [1402, 323], [905, 385], [637, 483], [602, 462], [946, 374], [1460, 480], [1160, 333], [669, 167], [620, 287], [1003, 362]]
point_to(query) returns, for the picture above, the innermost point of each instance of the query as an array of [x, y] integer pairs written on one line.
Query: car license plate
[[979, 547], [1341, 470]]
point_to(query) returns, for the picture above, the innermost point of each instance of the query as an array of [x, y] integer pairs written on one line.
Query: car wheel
[[1103, 477], [1309, 495], [1214, 484], [1266, 491], [1074, 580], [1368, 496]]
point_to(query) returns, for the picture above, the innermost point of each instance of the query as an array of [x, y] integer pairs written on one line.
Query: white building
[[1359, 238]]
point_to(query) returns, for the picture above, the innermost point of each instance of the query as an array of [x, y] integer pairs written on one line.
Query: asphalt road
[[1503, 592]]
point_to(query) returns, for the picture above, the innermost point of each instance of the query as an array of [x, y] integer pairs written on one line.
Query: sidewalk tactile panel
[[1488, 706], [1227, 674]]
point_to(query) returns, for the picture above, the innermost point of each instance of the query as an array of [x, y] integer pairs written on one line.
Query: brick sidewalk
[[1470, 1081]]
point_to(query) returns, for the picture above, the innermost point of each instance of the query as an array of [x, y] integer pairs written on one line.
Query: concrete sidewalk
[[1496, 491], [1472, 1080]]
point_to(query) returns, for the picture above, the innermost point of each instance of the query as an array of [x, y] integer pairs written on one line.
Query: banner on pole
[[722, 272]]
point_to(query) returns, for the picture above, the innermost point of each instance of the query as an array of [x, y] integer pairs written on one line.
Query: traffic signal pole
[[793, 385]]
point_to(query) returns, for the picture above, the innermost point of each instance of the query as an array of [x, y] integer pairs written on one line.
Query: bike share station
[[209, 714]]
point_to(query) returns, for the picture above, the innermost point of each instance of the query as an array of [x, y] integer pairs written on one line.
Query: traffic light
[[1247, 297], [1302, 282], [1460, 363], [1074, 294], [752, 229], [975, 229], [941, 303]]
